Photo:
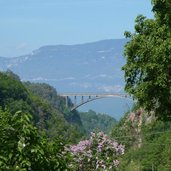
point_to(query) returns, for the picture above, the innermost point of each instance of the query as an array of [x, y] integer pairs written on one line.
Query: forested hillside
[[42, 102], [94, 122], [50, 96]]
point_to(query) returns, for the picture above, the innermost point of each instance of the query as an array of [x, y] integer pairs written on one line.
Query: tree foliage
[[95, 122], [11, 89], [23, 147], [148, 67]]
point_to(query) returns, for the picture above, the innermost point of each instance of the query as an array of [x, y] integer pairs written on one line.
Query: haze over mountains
[[89, 67]]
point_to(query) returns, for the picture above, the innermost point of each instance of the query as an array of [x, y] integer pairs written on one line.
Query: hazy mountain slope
[[86, 67]]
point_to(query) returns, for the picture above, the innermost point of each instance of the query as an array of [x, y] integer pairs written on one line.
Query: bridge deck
[[93, 94]]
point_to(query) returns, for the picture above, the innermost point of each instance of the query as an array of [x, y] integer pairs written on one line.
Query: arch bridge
[[88, 97]]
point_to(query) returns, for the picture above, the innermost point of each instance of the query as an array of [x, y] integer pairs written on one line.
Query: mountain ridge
[[63, 45]]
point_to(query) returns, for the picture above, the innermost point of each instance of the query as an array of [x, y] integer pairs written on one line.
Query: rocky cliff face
[[134, 123]]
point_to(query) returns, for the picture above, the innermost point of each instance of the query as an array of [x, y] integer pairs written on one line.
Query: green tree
[[23, 147], [148, 67]]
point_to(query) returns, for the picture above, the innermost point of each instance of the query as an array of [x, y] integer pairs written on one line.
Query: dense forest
[[93, 121], [38, 132]]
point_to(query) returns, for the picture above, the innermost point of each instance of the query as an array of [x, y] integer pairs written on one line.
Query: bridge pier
[[75, 100], [66, 101]]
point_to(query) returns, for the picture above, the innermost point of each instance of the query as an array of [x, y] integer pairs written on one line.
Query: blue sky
[[26, 25]]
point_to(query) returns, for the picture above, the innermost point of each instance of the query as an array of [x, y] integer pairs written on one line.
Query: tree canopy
[[148, 67], [23, 147]]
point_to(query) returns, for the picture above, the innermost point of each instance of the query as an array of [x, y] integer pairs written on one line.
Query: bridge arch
[[90, 97]]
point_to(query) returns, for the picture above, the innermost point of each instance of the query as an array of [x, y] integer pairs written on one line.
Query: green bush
[[23, 147]]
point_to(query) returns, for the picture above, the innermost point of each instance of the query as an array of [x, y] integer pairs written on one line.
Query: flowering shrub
[[97, 153]]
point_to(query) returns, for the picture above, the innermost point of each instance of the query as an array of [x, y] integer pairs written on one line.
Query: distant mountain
[[90, 67], [86, 67]]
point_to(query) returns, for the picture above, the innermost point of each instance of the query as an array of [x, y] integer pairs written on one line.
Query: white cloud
[[9, 65], [116, 88], [100, 76], [22, 46], [43, 79], [67, 78], [82, 85], [52, 79]]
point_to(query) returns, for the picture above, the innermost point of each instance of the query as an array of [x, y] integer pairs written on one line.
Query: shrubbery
[[97, 153]]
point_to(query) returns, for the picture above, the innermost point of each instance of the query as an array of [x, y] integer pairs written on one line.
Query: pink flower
[[116, 162], [99, 152]]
